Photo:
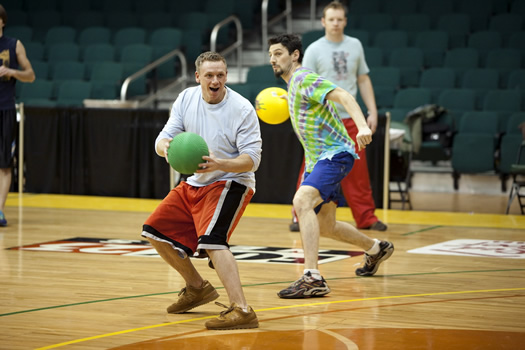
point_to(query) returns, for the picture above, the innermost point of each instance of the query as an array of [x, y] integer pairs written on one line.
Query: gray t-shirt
[[340, 62]]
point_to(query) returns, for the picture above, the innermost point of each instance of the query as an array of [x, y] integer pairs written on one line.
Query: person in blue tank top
[[14, 65]]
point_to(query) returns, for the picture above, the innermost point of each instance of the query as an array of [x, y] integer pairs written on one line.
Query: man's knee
[[306, 198], [300, 203]]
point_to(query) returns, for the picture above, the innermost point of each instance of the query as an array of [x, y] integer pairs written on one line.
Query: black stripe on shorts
[[229, 209], [149, 229]]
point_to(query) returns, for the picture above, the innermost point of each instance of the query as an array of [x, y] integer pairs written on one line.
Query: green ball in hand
[[186, 151]]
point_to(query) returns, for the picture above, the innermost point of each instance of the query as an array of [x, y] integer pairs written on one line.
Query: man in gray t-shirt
[[341, 59], [342, 62]]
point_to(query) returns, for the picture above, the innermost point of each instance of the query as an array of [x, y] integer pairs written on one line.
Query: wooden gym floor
[[74, 274]]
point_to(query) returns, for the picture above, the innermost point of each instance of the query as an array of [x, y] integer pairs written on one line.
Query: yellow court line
[[61, 201], [54, 346], [278, 211]]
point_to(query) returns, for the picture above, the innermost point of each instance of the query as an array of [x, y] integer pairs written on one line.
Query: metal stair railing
[[182, 80], [265, 23], [236, 45]]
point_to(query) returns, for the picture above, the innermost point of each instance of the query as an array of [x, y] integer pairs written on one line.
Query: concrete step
[[300, 26], [252, 54]]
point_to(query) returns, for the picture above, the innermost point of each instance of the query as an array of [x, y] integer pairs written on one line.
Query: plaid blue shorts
[[327, 175]]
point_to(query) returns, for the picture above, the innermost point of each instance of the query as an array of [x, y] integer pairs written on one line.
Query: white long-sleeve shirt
[[230, 128]]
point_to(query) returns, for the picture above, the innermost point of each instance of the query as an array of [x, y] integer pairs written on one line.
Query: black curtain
[[375, 157], [120, 153], [54, 150], [104, 152], [282, 155], [110, 152]]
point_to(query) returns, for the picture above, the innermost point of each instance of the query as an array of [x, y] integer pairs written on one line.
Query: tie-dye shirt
[[315, 119]]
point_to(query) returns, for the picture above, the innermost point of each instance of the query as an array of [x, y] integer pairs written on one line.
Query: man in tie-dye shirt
[[329, 156], [315, 119]]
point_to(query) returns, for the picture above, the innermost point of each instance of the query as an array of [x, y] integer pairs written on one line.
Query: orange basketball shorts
[[193, 219]]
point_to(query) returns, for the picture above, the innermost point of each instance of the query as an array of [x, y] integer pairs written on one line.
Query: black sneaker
[[376, 226], [305, 287], [372, 261], [294, 227]]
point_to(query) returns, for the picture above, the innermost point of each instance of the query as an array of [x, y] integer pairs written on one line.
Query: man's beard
[[278, 73]]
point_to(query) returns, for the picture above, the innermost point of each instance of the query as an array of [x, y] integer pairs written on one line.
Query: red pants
[[356, 185]]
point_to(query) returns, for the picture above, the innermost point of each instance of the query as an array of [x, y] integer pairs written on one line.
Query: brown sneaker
[[190, 297], [233, 318]]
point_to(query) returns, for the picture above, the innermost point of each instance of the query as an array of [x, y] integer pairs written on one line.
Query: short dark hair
[[336, 5], [3, 14], [292, 42]]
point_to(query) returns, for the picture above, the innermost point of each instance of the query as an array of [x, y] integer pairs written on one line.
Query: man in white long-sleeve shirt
[[198, 216]]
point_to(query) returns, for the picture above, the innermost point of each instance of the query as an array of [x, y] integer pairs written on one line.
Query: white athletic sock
[[315, 273], [375, 248]]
